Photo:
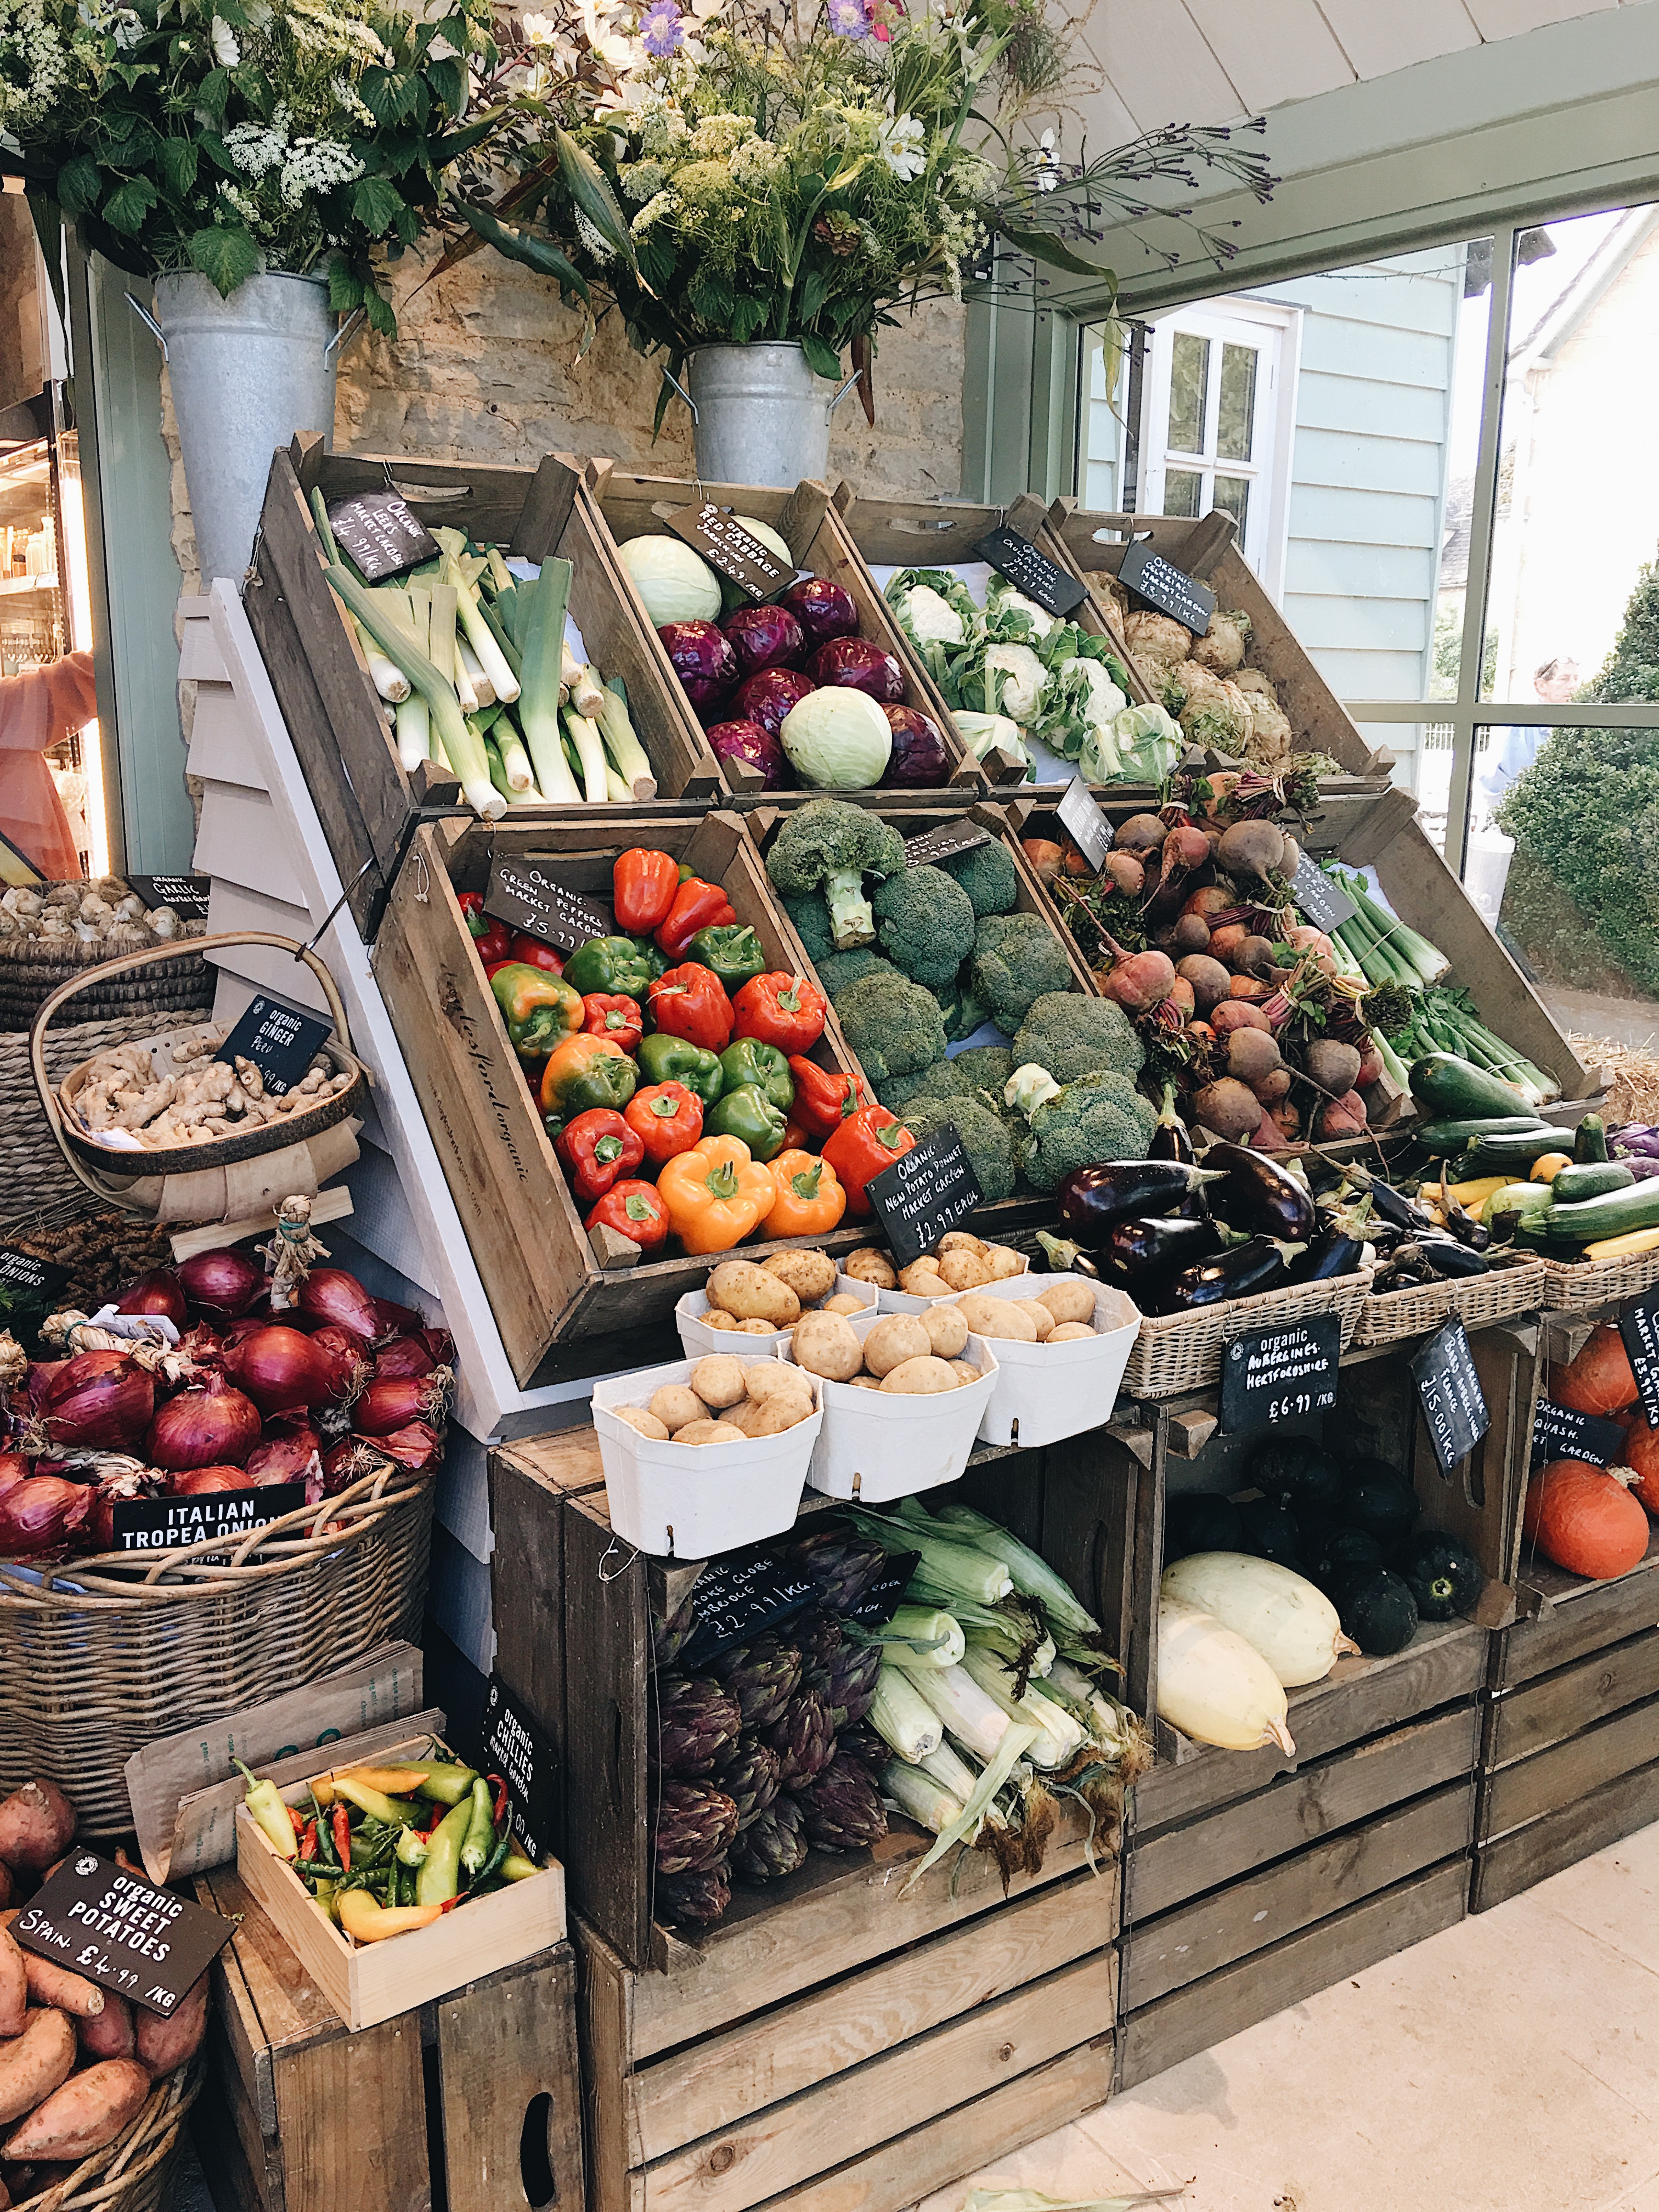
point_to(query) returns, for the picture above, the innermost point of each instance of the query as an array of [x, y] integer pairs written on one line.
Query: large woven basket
[[1481, 1299], [28, 976], [100, 1654], [1580, 1286], [1183, 1352], [137, 2170]]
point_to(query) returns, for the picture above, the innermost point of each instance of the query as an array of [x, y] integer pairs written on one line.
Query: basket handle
[[107, 970]]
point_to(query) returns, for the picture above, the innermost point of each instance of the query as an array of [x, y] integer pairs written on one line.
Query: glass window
[[1236, 428], [1189, 388]]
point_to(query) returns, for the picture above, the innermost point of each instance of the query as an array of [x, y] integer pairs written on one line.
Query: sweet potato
[[109, 2033], [85, 2114], [165, 2043], [51, 1984], [14, 1987], [5, 1883], [33, 2064], [37, 1824]]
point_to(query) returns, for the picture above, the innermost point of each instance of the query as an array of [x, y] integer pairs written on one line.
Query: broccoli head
[[1071, 1036], [830, 847], [1098, 1117], [963, 1013], [986, 1068], [943, 1079], [893, 1026], [810, 918], [988, 875], [984, 1139], [925, 925], [1017, 958], [839, 972]]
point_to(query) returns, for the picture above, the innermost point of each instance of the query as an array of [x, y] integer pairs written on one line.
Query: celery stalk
[[541, 617]]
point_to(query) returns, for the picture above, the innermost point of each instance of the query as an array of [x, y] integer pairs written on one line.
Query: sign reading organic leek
[[1032, 571], [716, 533], [381, 534]]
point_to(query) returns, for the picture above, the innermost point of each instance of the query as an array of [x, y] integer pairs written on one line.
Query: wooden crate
[[545, 1282], [573, 1608], [473, 2101]]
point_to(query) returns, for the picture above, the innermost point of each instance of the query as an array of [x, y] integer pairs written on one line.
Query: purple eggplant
[[1338, 1248], [764, 637], [703, 660], [861, 666], [1091, 1200], [767, 695], [1144, 1249], [753, 744], [824, 610], [920, 755], [1260, 1196], [1171, 1139], [1263, 1264]]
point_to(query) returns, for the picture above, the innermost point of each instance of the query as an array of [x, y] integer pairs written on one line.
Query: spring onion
[[541, 617], [902, 1718]]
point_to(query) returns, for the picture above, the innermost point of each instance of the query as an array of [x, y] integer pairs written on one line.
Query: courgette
[[1614, 1214], [1451, 1087], [1529, 1200], [1589, 1140], [1443, 1138], [1590, 1181], [1517, 1152]]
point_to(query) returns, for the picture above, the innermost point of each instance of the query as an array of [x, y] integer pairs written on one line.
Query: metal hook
[[149, 323], [343, 337], [321, 930], [684, 393], [842, 393], [608, 1579]]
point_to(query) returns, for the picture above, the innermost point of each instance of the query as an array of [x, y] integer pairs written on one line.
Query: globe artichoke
[[804, 1740], [750, 1778], [697, 1725], [762, 1675], [818, 1635], [852, 1686], [772, 1846], [694, 1900], [842, 1808], [696, 1825], [865, 1748], [842, 1565], [670, 1637]]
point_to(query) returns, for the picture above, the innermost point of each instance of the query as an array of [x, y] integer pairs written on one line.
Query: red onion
[[408, 1355], [222, 1283], [330, 1294], [40, 1514], [203, 1346], [193, 1480], [101, 1398], [111, 1491], [13, 1469], [346, 1464], [417, 1446], [390, 1404], [214, 1426], [441, 1343], [158, 1292], [395, 1319], [290, 1453], [279, 1370], [350, 1364], [41, 1374]]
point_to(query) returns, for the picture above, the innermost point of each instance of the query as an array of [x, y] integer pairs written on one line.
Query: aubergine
[[1258, 1195], [1338, 1248], [1139, 1248], [1171, 1139], [1395, 1206], [1445, 1256], [1091, 1198], [1058, 1256], [1263, 1264]]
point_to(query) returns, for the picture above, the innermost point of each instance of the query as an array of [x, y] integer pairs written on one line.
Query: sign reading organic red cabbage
[[719, 536]]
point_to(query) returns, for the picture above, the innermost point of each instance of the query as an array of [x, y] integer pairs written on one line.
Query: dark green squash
[[1442, 1575], [1298, 1473], [1194, 1521], [1377, 1609], [1267, 1531], [1342, 1551], [1380, 1499]]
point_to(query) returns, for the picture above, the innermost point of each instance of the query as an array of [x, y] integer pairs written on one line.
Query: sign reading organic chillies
[[519, 1750]]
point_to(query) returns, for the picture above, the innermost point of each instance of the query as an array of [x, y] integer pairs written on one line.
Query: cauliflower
[[1221, 649], [985, 733], [1141, 746], [1083, 700], [937, 614], [1004, 608], [1023, 679], [931, 618]]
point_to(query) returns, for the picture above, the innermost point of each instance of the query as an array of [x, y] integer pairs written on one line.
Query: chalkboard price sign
[[281, 1042], [380, 533], [110, 1926], [1084, 822], [27, 1286], [939, 844], [1032, 571], [1559, 1433], [161, 1524], [742, 1596], [1324, 903], [886, 1591], [927, 1191], [1273, 1375], [518, 1749], [1166, 587], [716, 533], [526, 894], [1639, 1325], [1448, 1391], [187, 895]]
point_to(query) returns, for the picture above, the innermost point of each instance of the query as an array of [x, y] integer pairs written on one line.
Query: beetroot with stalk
[[920, 756], [1190, 935], [1137, 982], [1141, 835], [1122, 871], [1251, 850], [823, 609], [1229, 1108], [766, 697], [1209, 979], [859, 664], [702, 658], [764, 637]]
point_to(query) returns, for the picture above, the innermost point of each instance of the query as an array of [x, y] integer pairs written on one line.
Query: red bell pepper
[[491, 936], [633, 1210], [611, 1014], [598, 1149], [786, 1011], [824, 1100], [697, 905], [865, 1143], [667, 1119], [535, 953], [689, 1001], [643, 885]]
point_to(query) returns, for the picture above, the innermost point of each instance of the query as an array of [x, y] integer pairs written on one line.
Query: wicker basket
[[1183, 1352], [1505, 1289], [28, 976], [100, 1654], [137, 2172], [102, 1252], [1581, 1286], [33, 1173]]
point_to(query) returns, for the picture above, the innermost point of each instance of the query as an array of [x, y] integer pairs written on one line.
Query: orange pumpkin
[[1599, 1381], [1642, 1456], [1585, 1520]]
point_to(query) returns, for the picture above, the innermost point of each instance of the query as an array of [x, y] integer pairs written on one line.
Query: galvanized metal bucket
[[760, 414], [247, 373]]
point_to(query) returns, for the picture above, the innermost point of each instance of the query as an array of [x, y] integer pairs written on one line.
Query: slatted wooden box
[[546, 1284], [473, 2101]]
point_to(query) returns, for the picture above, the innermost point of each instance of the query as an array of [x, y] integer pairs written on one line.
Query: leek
[[514, 759], [623, 744], [464, 752], [414, 716], [590, 751], [479, 636], [441, 650], [929, 1638], [902, 1718], [502, 636], [499, 574], [585, 690], [541, 629], [482, 690], [971, 1715], [618, 792], [1060, 1733], [498, 772], [925, 1802], [382, 673]]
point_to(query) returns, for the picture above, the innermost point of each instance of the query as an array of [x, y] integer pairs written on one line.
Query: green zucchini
[[1613, 1214], [1456, 1089], [1508, 1155], [1589, 1140], [1445, 1139], [1590, 1181], [1527, 1199]]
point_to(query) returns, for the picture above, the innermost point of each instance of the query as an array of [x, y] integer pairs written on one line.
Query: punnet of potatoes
[[957, 1262], [759, 1301], [724, 1402]]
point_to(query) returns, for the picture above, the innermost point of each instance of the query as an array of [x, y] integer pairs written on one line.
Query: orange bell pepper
[[810, 1201], [715, 1194]]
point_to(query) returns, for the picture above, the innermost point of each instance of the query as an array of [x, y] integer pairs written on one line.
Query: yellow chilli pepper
[[367, 1921], [715, 1194]]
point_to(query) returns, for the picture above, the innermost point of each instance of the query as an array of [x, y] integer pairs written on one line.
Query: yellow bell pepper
[[715, 1194], [368, 1920]]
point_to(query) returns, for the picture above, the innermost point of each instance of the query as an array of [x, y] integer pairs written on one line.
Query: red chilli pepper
[[308, 1842], [341, 1828], [500, 1795], [697, 905], [298, 1819]]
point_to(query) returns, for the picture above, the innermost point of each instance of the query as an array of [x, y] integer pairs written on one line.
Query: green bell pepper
[[539, 1010], [656, 960], [747, 1113], [604, 965], [747, 1060], [733, 951], [666, 1058]]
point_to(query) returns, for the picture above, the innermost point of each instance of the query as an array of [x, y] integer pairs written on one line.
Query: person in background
[[39, 709], [1509, 749]]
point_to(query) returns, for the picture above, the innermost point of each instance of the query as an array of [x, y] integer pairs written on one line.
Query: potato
[[864, 1382], [1068, 1331], [894, 1340], [709, 1432], [646, 1424], [774, 1378], [37, 1824], [1041, 1319], [965, 1372], [921, 1377], [959, 1240], [86, 2113], [778, 1414], [715, 1319], [965, 1271], [844, 1302], [947, 1332], [51, 1984], [868, 1265], [739, 1286], [1068, 1297], [108, 2034], [922, 1279], [754, 1328], [33, 2064], [1002, 1261], [824, 1345], [5, 1883], [718, 1381], [14, 1987], [164, 2041], [675, 1404], [810, 1275], [1003, 1317]]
